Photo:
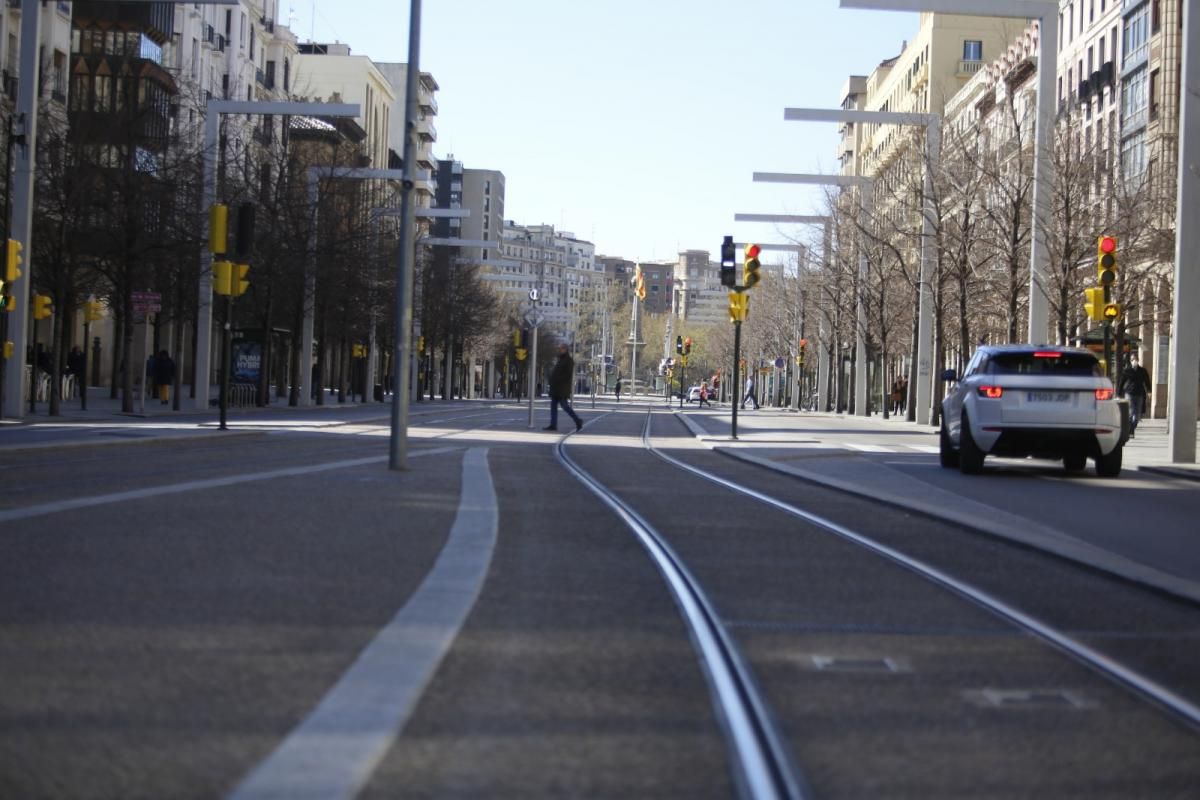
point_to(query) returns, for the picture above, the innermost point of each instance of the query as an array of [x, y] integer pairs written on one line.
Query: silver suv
[[1032, 400]]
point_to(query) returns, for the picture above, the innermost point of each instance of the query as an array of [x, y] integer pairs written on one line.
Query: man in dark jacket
[[1135, 384], [561, 379]]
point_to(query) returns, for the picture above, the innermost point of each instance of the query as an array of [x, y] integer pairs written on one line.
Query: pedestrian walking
[[749, 394], [617, 389], [77, 368], [895, 397], [1135, 385], [164, 375], [704, 395], [561, 378]]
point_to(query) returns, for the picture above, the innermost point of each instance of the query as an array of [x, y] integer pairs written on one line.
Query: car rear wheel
[[946, 452], [1075, 462], [970, 457], [1109, 466]]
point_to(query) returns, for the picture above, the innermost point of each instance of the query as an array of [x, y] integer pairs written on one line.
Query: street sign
[[779, 362], [534, 318], [146, 302], [533, 295]]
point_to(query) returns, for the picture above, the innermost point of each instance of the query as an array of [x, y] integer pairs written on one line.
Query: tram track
[[763, 767], [1147, 688], [755, 627]]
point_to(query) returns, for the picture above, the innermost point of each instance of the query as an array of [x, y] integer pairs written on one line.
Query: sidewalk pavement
[[101, 407], [1149, 450]]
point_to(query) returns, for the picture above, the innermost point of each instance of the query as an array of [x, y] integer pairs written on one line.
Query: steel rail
[[762, 768], [1149, 689]]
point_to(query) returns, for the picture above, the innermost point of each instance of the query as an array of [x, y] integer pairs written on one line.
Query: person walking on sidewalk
[[164, 375], [1135, 385], [749, 393], [617, 388], [704, 395], [561, 378]]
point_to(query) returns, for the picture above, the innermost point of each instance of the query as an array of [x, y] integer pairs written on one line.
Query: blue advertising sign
[[247, 361]]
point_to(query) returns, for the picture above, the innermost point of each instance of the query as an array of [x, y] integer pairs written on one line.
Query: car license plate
[[1048, 397]]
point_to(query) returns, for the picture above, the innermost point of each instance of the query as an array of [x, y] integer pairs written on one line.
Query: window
[[1137, 37], [1133, 158], [1135, 100], [972, 50]]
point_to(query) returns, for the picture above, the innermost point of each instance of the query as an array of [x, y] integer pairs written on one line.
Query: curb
[[1033, 535]]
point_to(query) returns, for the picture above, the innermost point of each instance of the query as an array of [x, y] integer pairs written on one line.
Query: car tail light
[[1104, 394], [1047, 354], [991, 392]]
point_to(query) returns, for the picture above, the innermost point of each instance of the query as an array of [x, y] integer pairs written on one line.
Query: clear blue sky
[[633, 124]]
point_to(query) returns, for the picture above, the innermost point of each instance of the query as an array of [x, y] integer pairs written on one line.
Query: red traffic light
[[1108, 244], [752, 251]]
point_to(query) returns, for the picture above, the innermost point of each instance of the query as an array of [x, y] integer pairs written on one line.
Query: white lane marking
[[58, 506], [868, 448], [334, 751], [924, 448]]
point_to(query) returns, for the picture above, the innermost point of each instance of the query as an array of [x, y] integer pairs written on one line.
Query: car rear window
[[1048, 363]]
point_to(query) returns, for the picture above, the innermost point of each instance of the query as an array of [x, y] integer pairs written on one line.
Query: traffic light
[[739, 305], [516, 339], [1112, 312], [359, 351], [92, 311], [245, 230], [12, 261], [238, 282], [222, 272], [42, 307], [218, 229], [1093, 303], [728, 263], [1106, 260], [8, 349], [639, 283], [679, 345], [687, 346], [803, 349], [421, 341], [751, 266]]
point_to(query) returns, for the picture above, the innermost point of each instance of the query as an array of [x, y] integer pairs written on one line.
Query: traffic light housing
[[639, 283], [93, 311], [421, 342], [12, 260], [728, 263], [679, 345], [1112, 312], [218, 229], [739, 305], [238, 282], [751, 266], [359, 351], [1106, 260], [42, 306], [1093, 303], [222, 273], [687, 346]]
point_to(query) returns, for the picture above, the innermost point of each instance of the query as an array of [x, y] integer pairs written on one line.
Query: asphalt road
[[172, 611]]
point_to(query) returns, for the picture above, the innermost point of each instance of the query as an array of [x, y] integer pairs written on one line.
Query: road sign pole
[[533, 372], [736, 395]]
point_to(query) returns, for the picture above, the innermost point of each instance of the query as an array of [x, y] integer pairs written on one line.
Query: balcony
[[921, 77], [427, 103], [426, 131], [968, 68]]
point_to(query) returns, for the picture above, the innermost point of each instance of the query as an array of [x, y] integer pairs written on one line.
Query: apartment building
[[948, 50], [559, 265], [483, 195], [55, 46], [330, 72], [849, 152], [427, 109]]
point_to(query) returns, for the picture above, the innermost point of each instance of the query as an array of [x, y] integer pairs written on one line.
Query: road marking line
[[58, 506], [334, 751], [924, 448], [868, 448]]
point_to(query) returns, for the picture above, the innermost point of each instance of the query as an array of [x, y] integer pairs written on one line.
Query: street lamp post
[[1046, 12], [864, 184], [932, 125]]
